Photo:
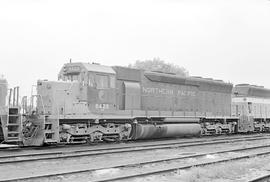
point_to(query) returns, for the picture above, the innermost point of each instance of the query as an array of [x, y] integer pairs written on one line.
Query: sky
[[220, 39]]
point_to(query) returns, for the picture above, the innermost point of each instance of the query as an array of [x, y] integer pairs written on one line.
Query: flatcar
[[92, 102]]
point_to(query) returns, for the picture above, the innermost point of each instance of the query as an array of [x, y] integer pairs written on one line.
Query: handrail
[[42, 103], [24, 104], [31, 101]]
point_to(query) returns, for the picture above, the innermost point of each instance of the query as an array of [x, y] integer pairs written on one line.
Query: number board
[[73, 69]]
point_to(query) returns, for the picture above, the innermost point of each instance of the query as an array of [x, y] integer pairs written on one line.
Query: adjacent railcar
[[3, 112], [91, 102], [10, 123], [252, 101]]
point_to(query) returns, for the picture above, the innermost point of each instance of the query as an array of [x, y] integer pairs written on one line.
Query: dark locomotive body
[[154, 91], [121, 88]]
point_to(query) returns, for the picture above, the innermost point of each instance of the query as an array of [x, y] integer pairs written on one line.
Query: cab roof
[[98, 68], [89, 67]]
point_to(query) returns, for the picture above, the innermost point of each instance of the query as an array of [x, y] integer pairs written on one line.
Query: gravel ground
[[109, 160], [236, 171]]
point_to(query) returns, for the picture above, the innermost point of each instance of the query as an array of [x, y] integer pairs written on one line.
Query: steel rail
[[265, 178], [136, 142], [125, 177], [97, 152], [153, 143], [158, 171]]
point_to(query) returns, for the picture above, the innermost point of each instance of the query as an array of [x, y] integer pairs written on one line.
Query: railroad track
[[17, 148], [265, 178], [30, 157], [143, 173], [115, 146], [158, 166]]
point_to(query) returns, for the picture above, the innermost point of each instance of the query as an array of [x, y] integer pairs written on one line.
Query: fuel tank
[[140, 131]]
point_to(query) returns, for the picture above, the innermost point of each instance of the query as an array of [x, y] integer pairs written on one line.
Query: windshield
[[71, 77]]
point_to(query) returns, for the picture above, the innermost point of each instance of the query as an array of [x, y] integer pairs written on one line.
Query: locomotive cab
[[97, 84], [68, 110]]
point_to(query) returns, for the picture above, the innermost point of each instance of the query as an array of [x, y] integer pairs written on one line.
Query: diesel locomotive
[[92, 102]]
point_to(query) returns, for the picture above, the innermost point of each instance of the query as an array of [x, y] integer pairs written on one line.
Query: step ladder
[[13, 125], [49, 125], [50, 130], [44, 129]]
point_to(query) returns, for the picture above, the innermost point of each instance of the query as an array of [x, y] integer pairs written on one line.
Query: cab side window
[[91, 80], [112, 81], [102, 81], [249, 107]]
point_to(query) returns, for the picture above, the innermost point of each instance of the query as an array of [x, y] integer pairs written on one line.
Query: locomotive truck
[[92, 102]]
